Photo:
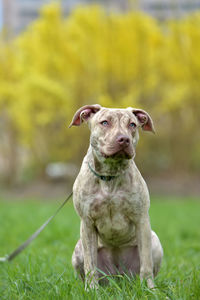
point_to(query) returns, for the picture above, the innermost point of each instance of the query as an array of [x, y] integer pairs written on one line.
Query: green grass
[[44, 271]]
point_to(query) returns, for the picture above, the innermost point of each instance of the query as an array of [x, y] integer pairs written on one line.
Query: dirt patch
[[184, 185], [38, 190]]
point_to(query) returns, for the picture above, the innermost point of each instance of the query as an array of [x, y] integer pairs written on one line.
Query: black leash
[[33, 236]]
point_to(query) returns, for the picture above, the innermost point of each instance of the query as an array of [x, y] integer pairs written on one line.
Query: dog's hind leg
[[78, 260], [157, 253]]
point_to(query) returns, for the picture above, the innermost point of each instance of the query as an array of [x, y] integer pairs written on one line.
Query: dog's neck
[[107, 166]]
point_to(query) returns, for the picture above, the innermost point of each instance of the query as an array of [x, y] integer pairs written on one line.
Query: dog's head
[[114, 132]]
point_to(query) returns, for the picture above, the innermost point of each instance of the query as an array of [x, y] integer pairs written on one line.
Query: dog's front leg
[[145, 250], [89, 242]]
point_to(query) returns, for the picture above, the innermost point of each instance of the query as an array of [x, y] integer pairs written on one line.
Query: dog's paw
[[150, 283], [92, 285], [149, 279], [91, 281]]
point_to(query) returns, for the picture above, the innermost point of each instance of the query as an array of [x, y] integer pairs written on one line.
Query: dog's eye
[[132, 125], [104, 123]]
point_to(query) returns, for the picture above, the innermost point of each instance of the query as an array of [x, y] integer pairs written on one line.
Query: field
[[44, 271]]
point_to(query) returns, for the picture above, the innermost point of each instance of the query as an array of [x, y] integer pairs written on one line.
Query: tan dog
[[112, 199]]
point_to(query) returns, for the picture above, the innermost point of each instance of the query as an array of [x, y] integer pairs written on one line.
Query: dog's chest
[[114, 215], [108, 204]]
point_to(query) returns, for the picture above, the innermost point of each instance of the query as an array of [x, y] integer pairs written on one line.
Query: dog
[[112, 199]]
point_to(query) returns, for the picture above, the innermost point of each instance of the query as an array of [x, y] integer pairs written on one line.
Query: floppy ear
[[144, 119], [84, 113]]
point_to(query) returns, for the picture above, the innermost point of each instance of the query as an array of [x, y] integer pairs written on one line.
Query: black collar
[[102, 177]]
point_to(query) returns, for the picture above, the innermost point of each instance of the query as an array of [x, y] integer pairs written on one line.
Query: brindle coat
[[115, 234]]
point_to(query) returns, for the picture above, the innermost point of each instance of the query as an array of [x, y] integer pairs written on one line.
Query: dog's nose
[[123, 140]]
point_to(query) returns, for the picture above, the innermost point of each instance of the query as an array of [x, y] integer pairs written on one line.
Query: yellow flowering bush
[[127, 59]]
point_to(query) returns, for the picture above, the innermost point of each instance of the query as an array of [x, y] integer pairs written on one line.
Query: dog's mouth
[[121, 154]]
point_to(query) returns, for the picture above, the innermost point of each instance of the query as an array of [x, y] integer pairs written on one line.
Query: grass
[[44, 271]]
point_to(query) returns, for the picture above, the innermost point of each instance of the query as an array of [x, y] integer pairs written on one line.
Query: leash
[[34, 235], [17, 251]]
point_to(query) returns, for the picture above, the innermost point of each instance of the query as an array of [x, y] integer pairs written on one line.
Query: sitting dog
[[112, 199]]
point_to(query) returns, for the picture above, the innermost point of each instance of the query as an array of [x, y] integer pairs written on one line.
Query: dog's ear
[[144, 119], [84, 113]]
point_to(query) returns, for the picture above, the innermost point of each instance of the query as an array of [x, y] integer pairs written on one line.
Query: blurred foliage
[[118, 60]]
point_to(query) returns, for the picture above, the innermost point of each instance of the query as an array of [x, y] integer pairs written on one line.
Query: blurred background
[[58, 56]]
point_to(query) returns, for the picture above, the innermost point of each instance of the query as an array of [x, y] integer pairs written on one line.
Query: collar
[[102, 177]]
